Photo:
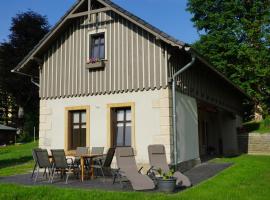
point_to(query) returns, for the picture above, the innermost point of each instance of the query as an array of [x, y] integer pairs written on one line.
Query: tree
[[235, 37], [27, 29]]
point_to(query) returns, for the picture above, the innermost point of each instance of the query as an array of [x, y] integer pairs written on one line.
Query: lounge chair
[[43, 162], [157, 159], [60, 164], [105, 164], [127, 167]]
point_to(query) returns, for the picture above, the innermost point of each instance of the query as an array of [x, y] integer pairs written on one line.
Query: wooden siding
[[136, 60], [205, 85]]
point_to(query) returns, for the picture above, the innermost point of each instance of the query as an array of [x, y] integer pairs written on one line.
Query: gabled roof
[[129, 16], [124, 13], [7, 128]]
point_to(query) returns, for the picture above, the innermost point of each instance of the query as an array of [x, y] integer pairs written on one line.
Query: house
[[7, 135], [108, 78]]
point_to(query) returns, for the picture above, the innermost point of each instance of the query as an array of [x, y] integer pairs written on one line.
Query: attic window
[[97, 46]]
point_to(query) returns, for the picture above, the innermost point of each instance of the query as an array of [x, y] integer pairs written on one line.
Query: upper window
[[77, 131], [97, 44]]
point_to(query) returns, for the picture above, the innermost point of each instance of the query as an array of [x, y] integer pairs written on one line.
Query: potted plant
[[93, 63], [166, 181]]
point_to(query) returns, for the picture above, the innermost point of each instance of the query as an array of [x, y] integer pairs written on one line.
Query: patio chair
[[97, 150], [126, 163], [105, 164], [60, 164], [43, 162], [157, 159], [35, 160], [80, 151]]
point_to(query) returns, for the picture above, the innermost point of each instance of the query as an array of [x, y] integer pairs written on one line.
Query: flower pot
[[96, 65], [166, 185]]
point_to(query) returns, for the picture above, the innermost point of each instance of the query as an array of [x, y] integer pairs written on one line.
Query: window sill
[[96, 65]]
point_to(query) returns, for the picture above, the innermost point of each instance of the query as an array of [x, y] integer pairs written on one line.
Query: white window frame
[[94, 32]]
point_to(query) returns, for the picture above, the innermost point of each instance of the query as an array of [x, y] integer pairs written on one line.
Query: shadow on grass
[[14, 161]]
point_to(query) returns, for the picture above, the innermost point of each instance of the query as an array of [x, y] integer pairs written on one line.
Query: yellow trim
[[67, 110], [121, 105]]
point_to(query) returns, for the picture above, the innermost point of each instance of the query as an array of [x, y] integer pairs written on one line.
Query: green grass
[[16, 159], [247, 179], [258, 127]]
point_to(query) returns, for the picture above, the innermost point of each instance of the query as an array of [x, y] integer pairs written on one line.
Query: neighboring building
[[126, 98], [7, 135]]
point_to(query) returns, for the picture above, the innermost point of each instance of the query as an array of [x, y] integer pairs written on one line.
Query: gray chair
[[157, 160], [80, 151], [97, 150], [105, 164], [43, 162], [35, 160], [60, 164], [126, 163]]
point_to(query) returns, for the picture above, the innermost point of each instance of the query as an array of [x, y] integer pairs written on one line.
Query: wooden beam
[[88, 13]]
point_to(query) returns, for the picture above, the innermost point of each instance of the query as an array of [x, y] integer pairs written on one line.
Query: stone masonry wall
[[45, 125], [165, 106], [254, 143]]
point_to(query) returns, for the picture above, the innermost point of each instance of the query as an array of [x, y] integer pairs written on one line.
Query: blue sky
[[169, 16]]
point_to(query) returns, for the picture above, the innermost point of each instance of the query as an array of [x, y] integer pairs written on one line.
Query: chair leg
[[45, 172], [53, 172], [49, 179], [102, 174], [67, 175], [34, 169], [37, 174]]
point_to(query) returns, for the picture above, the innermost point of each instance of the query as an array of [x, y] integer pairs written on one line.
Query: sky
[[169, 16]]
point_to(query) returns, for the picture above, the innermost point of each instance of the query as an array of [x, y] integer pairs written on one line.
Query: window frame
[[67, 124], [89, 42], [71, 125], [124, 121], [112, 106]]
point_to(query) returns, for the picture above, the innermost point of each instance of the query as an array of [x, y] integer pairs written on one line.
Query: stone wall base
[[254, 143]]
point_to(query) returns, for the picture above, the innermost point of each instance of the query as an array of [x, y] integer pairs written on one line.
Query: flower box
[[96, 65]]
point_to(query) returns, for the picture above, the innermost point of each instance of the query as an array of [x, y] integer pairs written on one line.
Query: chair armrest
[[149, 170], [140, 170]]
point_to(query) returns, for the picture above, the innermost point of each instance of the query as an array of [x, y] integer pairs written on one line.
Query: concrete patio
[[197, 175]]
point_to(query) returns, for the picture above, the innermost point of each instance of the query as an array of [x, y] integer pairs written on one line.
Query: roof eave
[[209, 65]]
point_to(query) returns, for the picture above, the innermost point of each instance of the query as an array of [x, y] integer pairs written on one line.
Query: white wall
[[147, 119], [187, 128]]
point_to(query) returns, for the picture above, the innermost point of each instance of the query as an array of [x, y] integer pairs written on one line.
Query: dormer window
[[97, 44]]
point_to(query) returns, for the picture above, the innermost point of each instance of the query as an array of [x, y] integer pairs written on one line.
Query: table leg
[[82, 169], [92, 169]]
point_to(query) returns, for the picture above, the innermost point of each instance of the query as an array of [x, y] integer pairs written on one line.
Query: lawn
[[16, 159], [248, 178]]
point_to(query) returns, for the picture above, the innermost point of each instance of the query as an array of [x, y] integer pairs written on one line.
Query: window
[[77, 129], [97, 44], [121, 126]]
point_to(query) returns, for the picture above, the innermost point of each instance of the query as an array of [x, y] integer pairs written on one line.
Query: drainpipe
[[174, 104]]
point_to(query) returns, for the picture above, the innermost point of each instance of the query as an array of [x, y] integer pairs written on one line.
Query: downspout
[[174, 103]]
